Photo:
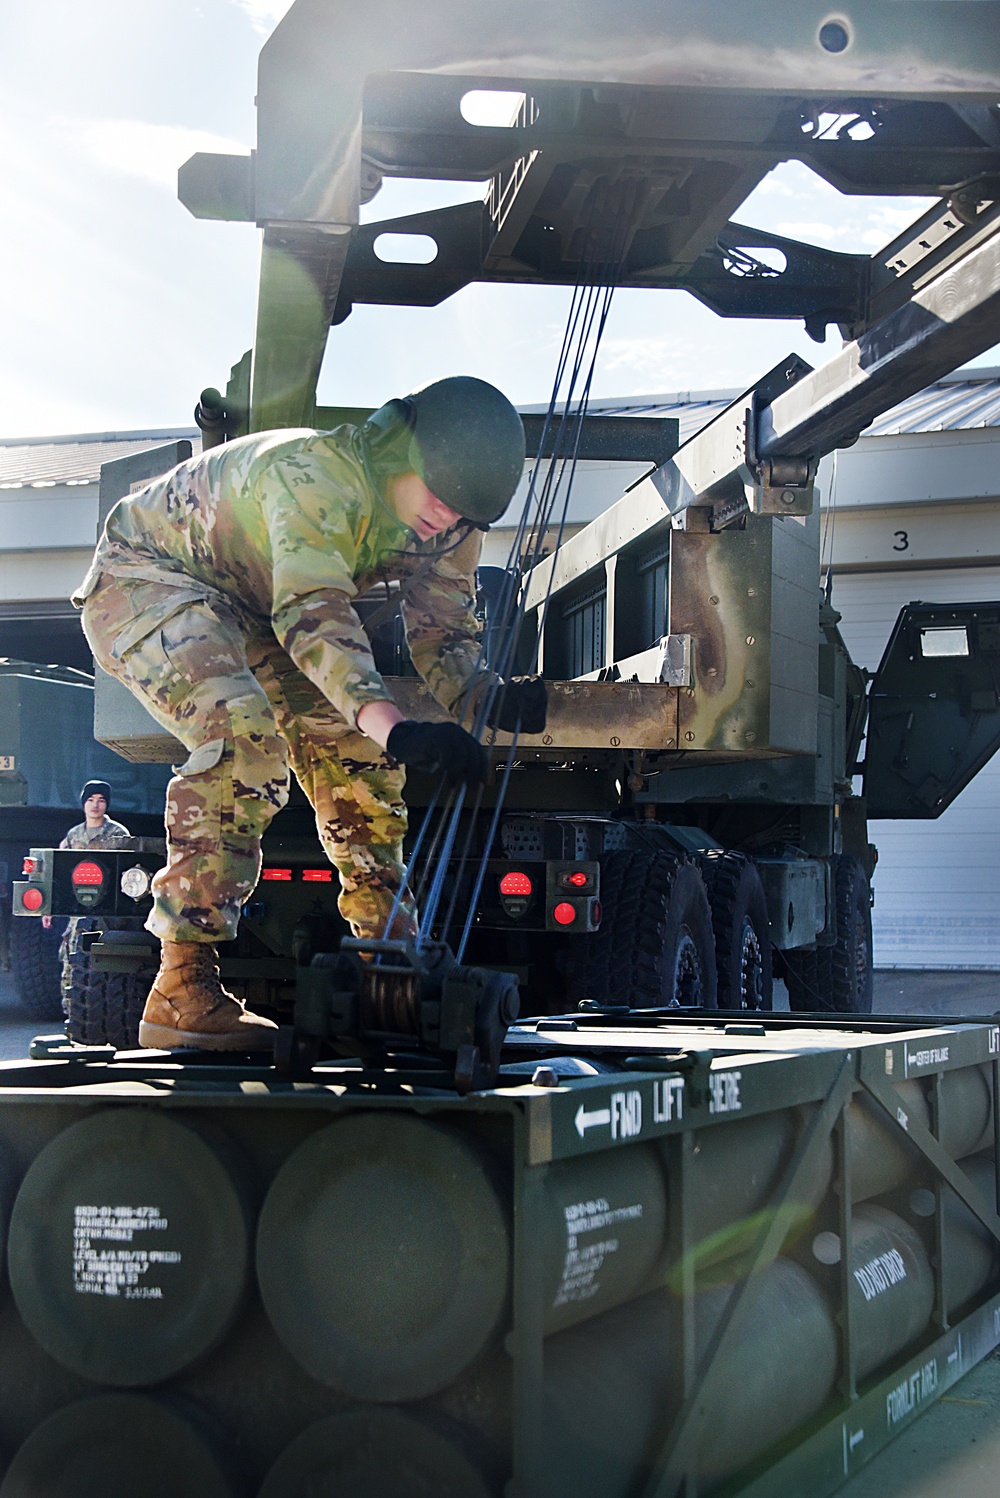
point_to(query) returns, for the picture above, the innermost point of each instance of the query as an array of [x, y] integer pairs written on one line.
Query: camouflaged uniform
[[110, 834], [221, 595]]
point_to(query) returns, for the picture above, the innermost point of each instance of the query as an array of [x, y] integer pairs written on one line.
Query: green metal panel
[[749, 600], [731, 1361], [47, 739], [934, 708]]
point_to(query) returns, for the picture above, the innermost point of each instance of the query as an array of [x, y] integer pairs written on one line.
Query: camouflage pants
[[244, 711]]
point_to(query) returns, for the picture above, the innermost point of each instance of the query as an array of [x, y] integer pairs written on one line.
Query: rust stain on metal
[[582, 715]]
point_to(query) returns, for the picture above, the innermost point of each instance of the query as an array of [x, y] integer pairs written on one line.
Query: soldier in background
[[97, 830], [221, 596]]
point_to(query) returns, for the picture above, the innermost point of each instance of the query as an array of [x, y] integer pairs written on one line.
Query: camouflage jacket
[[111, 835], [290, 528]]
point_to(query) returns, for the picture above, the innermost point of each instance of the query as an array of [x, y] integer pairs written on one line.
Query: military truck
[[684, 1255], [47, 752], [699, 777]]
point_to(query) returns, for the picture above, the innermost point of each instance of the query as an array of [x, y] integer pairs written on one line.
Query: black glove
[[439, 748], [524, 698]]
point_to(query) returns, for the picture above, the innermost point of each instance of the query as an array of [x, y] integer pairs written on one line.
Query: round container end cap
[[113, 1445], [383, 1255], [379, 1452], [128, 1249]]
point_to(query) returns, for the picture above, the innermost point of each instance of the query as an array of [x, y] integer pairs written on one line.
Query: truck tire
[[104, 1008], [655, 946], [34, 962], [742, 931], [838, 978], [807, 977]]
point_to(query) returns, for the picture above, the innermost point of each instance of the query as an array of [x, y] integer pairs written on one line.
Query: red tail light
[[515, 884], [317, 876], [577, 878], [88, 873], [564, 913], [28, 867], [32, 898], [281, 876]]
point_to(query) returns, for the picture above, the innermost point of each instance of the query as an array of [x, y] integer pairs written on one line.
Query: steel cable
[[585, 324], [589, 308]]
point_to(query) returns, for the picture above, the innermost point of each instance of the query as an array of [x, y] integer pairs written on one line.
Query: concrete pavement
[[16, 1031]]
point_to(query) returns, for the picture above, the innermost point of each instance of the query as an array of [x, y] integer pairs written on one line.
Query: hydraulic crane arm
[[761, 453]]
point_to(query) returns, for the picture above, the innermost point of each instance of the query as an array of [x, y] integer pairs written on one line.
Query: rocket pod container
[[113, 1445], [128, 1247], [384, 1249], [519, 1291], [610, 1384], [380, 1453]]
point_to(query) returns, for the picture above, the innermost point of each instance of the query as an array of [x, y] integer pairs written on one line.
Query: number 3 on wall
[[902, 542]]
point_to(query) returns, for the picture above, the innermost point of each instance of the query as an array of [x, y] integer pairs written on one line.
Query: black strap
[[390, 608]]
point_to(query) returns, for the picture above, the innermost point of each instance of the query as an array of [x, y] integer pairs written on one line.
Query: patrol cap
[[462, 436], [95, 788]]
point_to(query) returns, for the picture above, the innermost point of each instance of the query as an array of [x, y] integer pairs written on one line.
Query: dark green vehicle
[[47, 752], [632, 1244], [713, 754]]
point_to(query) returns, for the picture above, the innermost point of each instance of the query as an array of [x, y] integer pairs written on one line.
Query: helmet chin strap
[[383, 443]]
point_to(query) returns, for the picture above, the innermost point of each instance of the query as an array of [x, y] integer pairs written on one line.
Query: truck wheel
[[807, 978], [104, 1008], [34, 962], [655, 946], [742, 930], [838, 978]]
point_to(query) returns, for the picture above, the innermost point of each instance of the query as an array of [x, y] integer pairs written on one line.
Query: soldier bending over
[[221, 595]]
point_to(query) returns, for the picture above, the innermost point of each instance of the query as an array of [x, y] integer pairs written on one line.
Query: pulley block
[[373, 998]]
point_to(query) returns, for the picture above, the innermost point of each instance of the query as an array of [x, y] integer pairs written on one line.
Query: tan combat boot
[[188, 1006]]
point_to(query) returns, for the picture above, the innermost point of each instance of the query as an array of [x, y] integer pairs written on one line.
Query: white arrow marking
[[585, 1121], [856, 1439]]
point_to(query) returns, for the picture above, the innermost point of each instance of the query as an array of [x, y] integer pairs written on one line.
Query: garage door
[[937, 885]]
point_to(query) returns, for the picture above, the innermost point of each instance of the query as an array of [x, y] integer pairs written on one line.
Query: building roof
[[44, 462], [963, 401]]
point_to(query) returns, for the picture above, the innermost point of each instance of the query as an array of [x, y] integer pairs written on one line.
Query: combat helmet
[[461, 435]]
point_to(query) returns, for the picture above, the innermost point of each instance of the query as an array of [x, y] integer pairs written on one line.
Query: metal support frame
[[856, 1424], [671, 1467], [817, 285], [817, 1459], [346, 97], [720, 470], [931, 1369]]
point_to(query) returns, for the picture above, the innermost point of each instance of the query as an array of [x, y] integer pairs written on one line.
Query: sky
[[117, 307]]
